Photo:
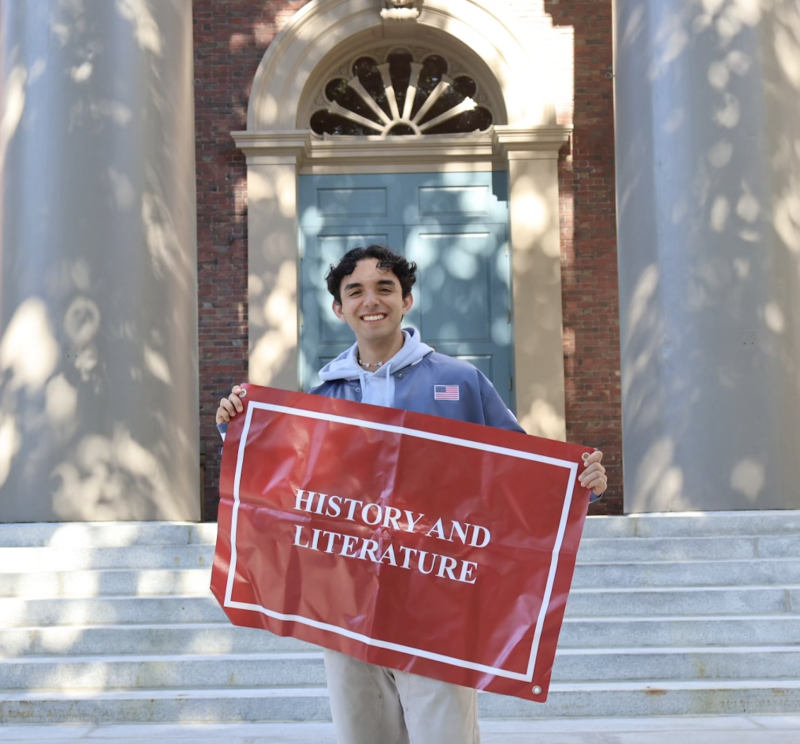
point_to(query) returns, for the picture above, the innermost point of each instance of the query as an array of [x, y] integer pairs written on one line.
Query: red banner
[[406, 540]]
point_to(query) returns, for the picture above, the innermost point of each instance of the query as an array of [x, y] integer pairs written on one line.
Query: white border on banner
[[496, 671]]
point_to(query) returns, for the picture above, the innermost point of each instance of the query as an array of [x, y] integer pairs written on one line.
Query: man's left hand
[[594, 474]]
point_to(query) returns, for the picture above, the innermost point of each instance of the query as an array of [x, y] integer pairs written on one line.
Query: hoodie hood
[[377, 387]]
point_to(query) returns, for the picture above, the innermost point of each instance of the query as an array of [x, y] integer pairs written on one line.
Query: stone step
[[601, 550], [652, 698], [169, 639], [699, 663], [124, 534], [728, 729], [19, 560], [670, 602], [223, 638], [567, 700], [108, 582], [76, 535], [627, 549], [290, 669], [187, 581], [699, 630], [605, 602], [110, 610], [287, 669], [764, 572], [165, 705], [708, 524]]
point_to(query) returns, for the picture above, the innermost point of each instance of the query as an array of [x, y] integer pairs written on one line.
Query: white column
[[708, 170], [272, 239], [536, 265], [272, 273], [98, 289]]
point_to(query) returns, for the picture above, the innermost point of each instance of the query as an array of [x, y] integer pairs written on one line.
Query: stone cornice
[[294, 142], [311, 150], [516, 141], [305, 149]]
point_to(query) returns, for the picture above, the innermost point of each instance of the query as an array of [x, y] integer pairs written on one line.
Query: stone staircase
[[669, 615]]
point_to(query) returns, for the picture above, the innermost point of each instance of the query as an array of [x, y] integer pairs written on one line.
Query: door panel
[[368, 200], [438, 201], [352, 202], [454, 282], [450, 198], [462, 300]]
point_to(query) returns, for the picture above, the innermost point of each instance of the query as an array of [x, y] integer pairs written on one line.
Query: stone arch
[[329, 28], [431, 39]]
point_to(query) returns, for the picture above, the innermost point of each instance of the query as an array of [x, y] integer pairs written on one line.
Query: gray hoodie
[[378, 386]]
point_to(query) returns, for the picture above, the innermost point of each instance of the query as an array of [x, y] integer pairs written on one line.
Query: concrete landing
[[686, 729]]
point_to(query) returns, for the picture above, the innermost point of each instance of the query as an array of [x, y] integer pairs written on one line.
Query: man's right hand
[[230, 406]]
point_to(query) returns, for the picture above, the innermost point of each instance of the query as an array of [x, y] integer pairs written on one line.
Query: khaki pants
[[376, 705]]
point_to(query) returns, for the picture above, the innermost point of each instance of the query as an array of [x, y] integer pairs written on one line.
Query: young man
[[390, 366]]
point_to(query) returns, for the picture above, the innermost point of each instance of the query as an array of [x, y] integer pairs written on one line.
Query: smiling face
[[373, 306]]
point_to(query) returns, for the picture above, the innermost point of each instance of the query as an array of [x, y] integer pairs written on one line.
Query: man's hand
[[594, 475], [230, 406]]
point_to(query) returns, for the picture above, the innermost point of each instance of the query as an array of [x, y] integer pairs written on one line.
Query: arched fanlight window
[[406, 94]]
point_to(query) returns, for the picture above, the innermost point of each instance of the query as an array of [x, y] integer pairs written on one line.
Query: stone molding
[[499, 144], [401, 10], [517, 143]]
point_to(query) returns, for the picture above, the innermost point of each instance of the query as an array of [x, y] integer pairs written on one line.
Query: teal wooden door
[[454, 225]]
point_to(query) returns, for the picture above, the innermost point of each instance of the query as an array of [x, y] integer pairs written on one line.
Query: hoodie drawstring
[[389, 386]]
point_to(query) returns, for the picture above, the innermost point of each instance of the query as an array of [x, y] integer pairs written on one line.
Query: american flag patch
[[445, 392]]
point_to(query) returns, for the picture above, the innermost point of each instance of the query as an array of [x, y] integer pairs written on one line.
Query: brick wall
[[230, 39], [588, 244]]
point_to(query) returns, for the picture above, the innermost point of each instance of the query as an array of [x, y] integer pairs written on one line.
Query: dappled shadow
[[708, 166], [98, 373]]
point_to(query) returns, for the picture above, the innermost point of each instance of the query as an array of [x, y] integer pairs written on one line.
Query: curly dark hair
[[388, 260]]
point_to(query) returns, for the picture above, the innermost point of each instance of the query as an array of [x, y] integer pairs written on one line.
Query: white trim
[[372, 167], [527, 676], [496, 146]]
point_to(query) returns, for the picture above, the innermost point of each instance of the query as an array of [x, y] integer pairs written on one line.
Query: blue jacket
[[415, 387]]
